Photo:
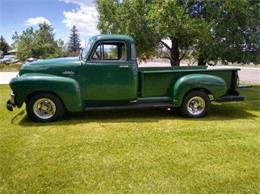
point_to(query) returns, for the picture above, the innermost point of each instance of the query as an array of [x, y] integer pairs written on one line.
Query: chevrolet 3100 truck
[[106, 76]]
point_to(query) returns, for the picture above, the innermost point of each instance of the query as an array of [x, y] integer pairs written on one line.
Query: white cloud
[[85, 18], [36, 21]]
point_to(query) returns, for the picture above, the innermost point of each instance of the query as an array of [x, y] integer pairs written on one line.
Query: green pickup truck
[[106, 76]]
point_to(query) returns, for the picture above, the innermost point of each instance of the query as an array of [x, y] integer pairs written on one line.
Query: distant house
[[12, 52]]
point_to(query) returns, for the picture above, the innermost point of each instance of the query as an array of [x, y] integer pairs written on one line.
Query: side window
[[97, 54], [110, 51]]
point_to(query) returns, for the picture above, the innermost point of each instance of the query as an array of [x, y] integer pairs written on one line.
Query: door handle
[[124, 66]]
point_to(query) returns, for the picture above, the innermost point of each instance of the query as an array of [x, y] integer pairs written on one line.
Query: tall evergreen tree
[[3, 45], [74, 41]]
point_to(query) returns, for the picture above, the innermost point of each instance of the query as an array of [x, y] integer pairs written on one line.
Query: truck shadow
[[223, 112]]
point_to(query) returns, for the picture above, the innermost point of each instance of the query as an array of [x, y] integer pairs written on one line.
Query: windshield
[[85, 51]]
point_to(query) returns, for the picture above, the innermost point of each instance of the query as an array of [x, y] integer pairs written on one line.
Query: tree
[[202, 47], [229, 33], [236, 35], [15, 38], [128, 17], [74, 40], [38, 44], [25, 44], [150, 23], [60, 43], [3, 45], [45, 45], [170, 21], [211, 30]]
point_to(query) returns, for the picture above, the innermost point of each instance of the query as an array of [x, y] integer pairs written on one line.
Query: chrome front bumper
[[10, 104]]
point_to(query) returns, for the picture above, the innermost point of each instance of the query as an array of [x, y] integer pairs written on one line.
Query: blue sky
[[17, 15]]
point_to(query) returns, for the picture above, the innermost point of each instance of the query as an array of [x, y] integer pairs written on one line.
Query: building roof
[[12, 51]]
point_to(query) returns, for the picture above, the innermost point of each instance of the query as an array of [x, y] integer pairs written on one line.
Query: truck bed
[[156, 81]]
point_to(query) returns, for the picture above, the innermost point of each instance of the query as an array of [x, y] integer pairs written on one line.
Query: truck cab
[[109, 71], [106, 76]]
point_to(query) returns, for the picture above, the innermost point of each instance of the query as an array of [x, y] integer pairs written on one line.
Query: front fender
[[66, 88], [214, 84]]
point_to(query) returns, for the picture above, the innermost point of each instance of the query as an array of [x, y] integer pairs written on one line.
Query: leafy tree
[[230, 30], [74, 40], [170, 21], [202, 47], [236, 34], [4, 45], [60, 43], [15, 38], [45, 44], [150, 23], [38, 44], [212, 30], [128, 17], [25, 44]]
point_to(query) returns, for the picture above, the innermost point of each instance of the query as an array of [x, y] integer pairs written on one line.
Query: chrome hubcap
[[44, 108], [196, 105]]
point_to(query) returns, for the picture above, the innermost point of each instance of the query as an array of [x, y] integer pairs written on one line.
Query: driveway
[[5, 77], [249, 75], [246, 74]]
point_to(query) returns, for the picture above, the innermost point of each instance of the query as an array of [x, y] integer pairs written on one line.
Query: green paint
[[80, 80]]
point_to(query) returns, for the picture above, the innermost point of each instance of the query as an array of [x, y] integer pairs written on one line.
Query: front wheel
[[195, 104], [45, 107]]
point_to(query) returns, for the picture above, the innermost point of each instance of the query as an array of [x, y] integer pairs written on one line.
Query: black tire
[[202, 101], [56, 113]]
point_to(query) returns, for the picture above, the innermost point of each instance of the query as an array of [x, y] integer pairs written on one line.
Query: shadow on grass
[[217, 113]]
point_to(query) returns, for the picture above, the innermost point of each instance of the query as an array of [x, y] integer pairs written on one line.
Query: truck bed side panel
[[158, 82]]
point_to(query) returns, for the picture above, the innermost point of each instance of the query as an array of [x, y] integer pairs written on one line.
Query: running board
[[132, 106], [244, 86], [230, 98]]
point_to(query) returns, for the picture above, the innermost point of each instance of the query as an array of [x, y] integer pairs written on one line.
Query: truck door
[[109, 74]]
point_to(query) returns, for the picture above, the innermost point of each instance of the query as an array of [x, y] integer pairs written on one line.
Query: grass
[[133, 151], [10, 67]]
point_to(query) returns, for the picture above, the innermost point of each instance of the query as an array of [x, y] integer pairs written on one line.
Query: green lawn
[[147, 151]]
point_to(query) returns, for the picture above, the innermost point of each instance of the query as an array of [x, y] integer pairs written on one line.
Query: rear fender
[[66, 88], [213, 84]]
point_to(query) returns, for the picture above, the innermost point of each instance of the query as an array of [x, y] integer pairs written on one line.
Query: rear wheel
[[195, 104], [45, 107]]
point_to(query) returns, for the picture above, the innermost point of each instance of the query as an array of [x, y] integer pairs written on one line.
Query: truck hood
[[49, 65], [53, 62]]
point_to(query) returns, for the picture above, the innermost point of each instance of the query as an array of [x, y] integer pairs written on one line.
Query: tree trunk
[[175, 53], [201, 60]]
